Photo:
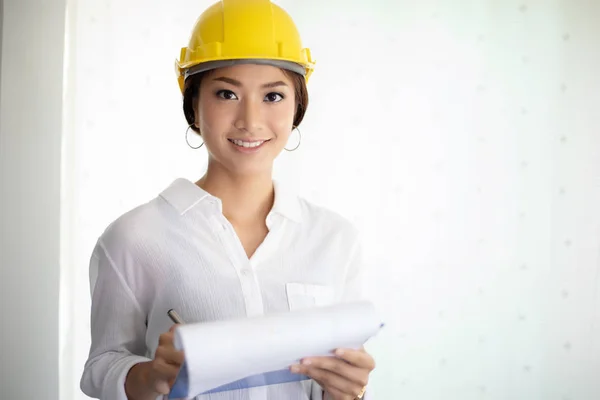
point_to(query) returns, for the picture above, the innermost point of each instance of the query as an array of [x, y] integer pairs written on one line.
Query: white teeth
[[241, 143]]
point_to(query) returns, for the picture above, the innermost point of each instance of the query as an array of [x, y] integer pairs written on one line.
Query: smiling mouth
[[248, 144]]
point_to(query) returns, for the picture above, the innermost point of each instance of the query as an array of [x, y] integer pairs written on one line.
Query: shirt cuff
[[114, 383]]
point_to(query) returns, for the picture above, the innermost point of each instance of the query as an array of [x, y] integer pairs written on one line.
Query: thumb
[[162, 387], [173, 328]]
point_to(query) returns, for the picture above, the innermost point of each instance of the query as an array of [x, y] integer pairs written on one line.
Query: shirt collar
[[184, 195], [286, 202]]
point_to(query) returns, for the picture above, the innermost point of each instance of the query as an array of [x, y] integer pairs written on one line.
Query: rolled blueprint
[[257, 351]]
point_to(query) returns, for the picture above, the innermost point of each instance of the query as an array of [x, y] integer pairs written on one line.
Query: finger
[[170, 355], [339, 395], [359, 358], [163, 370], [360, 376], [173, 328], [161, 386], [166, 339], [333, 392], [158, 382], [330, 381]]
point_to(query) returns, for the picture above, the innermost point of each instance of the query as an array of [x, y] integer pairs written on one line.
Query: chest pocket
[[306, 295]]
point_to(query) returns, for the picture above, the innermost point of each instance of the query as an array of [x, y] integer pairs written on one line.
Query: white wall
[[30, 149]]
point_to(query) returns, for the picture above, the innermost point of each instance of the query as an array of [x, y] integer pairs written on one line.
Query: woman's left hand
[[343, 376]]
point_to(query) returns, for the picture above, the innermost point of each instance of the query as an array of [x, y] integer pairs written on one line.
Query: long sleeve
[[118, 330]]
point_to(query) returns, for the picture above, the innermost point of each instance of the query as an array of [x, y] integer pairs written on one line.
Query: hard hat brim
[[211, 65]]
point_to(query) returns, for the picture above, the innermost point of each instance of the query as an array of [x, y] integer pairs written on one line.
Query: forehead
[[251, 74]]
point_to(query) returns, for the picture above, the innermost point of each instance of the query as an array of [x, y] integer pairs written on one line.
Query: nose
[[249, 115]]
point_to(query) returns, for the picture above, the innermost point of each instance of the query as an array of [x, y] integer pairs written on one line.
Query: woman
[[234, 244]]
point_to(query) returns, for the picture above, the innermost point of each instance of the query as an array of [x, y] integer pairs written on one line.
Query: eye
[[274, 97], [226, 95]]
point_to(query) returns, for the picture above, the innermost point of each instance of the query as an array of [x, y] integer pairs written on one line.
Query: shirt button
[[246, 272]]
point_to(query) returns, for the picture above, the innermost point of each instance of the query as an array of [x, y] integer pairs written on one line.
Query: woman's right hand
[[147, 380]]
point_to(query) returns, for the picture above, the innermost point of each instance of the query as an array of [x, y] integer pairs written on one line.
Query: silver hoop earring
[[299, 139], [187, 140]]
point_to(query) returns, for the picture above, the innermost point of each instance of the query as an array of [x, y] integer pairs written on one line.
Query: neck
[[246, 198]]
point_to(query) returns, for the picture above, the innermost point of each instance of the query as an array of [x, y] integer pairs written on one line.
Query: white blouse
[[179, 251]]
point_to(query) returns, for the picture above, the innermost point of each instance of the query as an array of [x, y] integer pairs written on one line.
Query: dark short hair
[[192, 91]]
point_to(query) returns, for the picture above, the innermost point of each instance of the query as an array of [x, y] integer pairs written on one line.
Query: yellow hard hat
[[243, 31]]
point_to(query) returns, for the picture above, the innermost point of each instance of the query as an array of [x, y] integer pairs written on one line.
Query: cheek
[[213, 119], [282, 119]]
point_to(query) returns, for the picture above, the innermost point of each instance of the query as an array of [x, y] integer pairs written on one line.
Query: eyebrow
[[239, 84]]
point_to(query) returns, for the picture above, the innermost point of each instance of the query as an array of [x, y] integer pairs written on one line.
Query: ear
[[195, 102]]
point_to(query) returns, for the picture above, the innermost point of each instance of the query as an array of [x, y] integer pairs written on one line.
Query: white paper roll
[[222, 352]]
